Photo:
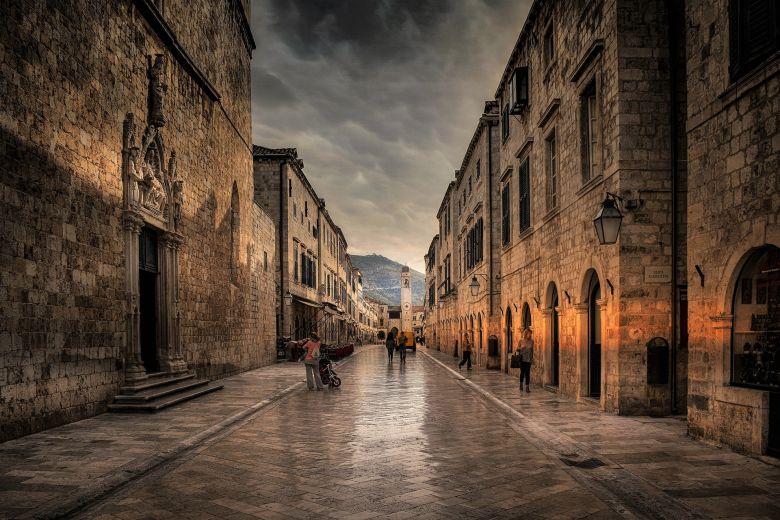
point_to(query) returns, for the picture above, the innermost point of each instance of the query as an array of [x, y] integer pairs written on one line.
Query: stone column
[[582, 346], [171, 355], [134, 367], [605, 358], [547, 345]]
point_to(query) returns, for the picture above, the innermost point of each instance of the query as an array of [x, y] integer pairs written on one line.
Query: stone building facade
[[319, 286], [584, 103], [130, 242], [733, 229], [467, 251]]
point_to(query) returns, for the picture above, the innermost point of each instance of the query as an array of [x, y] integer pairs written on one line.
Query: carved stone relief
[[152, 186]]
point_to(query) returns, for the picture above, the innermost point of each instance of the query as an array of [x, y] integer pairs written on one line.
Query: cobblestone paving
[[39, 471], [423, 441], [707, 480], [412, 442]]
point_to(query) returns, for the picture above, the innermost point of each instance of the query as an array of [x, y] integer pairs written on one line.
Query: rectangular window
[[478, 172], [549, 46], [505, 215], [289, 187], [265, 260], [589, 132], [518, 90], [754, 34], [525, 195], [306, 208], [552, 172], [295, 261], [469, 185], [505, 122]]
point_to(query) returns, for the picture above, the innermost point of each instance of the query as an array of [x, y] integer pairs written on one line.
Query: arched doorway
[[755, 340], [479, 334], [508, 335], [594, 337], [554, 334]]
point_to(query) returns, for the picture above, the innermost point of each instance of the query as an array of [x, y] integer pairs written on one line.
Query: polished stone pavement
[[420, 441]]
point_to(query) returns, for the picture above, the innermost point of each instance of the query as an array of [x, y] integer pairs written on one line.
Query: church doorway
[[594, 338], [147, 299]]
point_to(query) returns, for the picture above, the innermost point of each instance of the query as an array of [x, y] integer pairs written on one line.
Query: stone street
[[422, 441]]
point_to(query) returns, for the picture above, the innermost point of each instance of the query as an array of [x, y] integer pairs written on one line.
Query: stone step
[[170, 400], [160, 391], [155, 380]]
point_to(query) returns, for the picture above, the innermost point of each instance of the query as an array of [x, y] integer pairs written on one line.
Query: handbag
[[514, 362]]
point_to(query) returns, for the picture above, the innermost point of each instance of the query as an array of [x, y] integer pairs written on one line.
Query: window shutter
[[753, 34], [525, 196]]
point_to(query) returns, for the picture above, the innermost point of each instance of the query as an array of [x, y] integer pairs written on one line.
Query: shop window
[[755, 346]]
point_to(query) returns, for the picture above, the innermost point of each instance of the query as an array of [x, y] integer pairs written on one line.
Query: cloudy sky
[[381, 98]]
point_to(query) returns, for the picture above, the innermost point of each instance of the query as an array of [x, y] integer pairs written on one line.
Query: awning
[[306, 301]]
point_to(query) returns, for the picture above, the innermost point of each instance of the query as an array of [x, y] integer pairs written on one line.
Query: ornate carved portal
[[153, 196]]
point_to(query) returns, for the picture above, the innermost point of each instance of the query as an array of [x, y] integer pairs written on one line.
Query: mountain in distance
[[382, 279]]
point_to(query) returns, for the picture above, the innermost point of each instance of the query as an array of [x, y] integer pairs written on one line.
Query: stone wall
[[733, 200], [73, 71], [617, 48]]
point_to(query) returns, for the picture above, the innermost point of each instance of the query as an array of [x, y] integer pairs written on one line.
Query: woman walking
[[526, 352], [390, 346], [311, 359]]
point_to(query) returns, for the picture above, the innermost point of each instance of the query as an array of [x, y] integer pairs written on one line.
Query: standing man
[[402, 347], [526, 353], [466, 353]]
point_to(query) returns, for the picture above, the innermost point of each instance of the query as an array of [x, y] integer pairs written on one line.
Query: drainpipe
[[489, 126], [673, 114], [280, 234]]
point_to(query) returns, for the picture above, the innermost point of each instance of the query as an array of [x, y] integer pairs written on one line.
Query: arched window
[[526, 317], [755, 345]]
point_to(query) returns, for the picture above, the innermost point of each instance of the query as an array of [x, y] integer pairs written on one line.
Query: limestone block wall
[[74, 70], [618, 46], [733, 202]]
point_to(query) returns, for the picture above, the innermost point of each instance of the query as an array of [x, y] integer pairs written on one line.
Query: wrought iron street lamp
[[288, 298], [474, 285], [608, 220]]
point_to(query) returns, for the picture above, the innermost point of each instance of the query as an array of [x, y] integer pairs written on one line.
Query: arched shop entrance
[[755, 337]]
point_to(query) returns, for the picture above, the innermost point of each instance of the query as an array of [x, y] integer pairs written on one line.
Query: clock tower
[[406, 299]]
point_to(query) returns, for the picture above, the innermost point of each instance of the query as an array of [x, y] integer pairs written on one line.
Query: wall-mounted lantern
[[288, 298], [474, 285], [608, 220]]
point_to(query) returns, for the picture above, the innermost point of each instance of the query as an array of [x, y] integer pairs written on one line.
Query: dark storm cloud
[[380, 98], [375, 29]]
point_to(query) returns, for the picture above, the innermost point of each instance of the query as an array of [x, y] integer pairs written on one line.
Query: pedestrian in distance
[[402, 348], [311, 359], [466, 353], [526, 352], [390, 346]]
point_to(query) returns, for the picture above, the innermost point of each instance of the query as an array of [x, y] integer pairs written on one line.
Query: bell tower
[[406, 299]]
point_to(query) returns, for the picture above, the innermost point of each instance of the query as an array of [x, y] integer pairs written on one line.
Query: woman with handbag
[[525, 352], [311, 359]]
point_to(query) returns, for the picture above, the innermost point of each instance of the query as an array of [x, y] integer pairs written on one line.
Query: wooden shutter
[[525, 196]]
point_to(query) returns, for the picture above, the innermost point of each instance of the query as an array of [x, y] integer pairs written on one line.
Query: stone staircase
[[161, 390]]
